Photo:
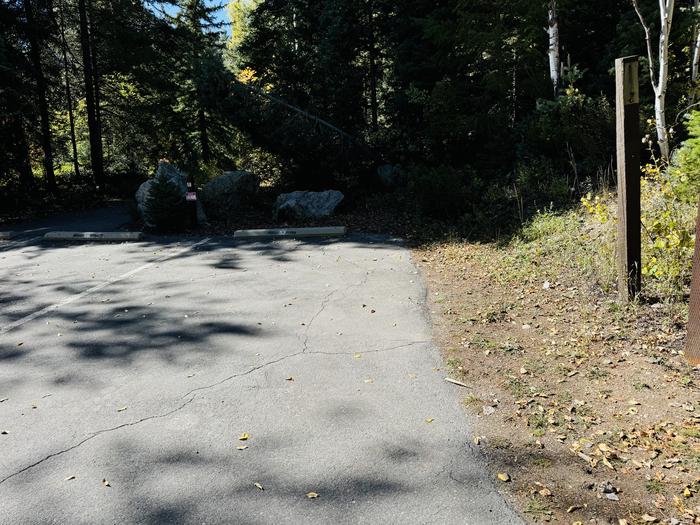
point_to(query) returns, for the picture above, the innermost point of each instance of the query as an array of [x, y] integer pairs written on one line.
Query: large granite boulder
[[173, 176], [307, 204], [224, 195]]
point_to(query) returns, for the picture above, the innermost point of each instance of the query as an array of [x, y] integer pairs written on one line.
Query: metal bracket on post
[[629, 232]]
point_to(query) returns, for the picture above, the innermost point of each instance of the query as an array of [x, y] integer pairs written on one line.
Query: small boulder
[[224, 195], [307, 204]]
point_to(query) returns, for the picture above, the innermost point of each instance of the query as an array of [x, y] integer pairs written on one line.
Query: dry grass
[[587, 393]]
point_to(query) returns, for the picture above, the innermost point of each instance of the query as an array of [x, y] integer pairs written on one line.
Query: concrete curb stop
[[291, 233], [93, 236]]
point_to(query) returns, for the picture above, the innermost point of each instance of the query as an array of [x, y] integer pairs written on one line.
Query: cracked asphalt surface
[[142, 364]]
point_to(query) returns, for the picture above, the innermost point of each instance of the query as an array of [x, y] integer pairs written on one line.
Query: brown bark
[[69, 97], [35, 43], [88, 76]]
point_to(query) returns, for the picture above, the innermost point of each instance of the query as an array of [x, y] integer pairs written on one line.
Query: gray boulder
[[175, 177], [307, 204], [224, 195]]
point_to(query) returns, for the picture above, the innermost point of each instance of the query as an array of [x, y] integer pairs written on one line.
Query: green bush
[[440, 192], [166, 209], [686, 163]]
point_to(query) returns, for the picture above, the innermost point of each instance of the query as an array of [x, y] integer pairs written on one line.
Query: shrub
[[440, 192], [166, 208]]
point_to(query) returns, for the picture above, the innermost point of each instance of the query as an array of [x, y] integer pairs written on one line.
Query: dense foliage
[[318, 93]]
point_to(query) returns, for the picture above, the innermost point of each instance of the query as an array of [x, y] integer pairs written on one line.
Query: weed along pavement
[[215, 381]]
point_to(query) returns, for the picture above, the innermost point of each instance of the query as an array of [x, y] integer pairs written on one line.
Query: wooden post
[[629, 232], [692, 346]]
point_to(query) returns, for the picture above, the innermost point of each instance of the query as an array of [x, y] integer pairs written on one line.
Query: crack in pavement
[[94, 435], [241, 374], [303, 351], [192, 393], [324, 303]]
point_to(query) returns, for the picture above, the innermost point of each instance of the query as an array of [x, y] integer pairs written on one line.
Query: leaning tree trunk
[[42, 102], [553, 51], [659, 79], [93, 125]]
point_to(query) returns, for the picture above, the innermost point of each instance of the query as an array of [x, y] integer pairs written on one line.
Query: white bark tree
[[659, 76], [553, 51], [695, 67]]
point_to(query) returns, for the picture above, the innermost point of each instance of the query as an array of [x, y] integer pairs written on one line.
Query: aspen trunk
[[659, 79], [553, 52]]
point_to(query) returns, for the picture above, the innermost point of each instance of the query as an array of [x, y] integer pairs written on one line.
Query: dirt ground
[[586, 411]]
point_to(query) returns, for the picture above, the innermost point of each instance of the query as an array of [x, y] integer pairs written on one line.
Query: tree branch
[[647, 37]]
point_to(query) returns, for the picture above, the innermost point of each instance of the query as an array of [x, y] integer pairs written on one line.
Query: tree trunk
[[661, 129], [69, 97], [553, 51], [35, 56], [659, 80], [695, 66], [93, 127], [21, 154], [203, 134], [373, 71], [95, 74]]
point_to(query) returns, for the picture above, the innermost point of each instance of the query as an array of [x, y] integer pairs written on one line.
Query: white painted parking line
[[97, 287]]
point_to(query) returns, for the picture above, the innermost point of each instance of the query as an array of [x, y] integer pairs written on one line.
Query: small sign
[[191, 196], [631, 82]]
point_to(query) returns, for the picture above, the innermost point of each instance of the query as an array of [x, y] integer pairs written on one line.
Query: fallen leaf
[[649, 519], [259, 486], [69, 478], [477, 440], [122, 409], [573, 508], [242, 447], [244, 437], [4, 399], [369, 381], [20, 344], [504, 477], [290, 378], [429, 420], [4, 432], [545, 492], [105, 483], [358, 356], [687, 492], [312, 495]]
